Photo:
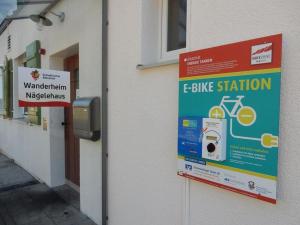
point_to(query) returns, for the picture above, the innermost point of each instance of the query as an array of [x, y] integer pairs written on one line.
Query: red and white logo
[[35, 74], [261, 54]]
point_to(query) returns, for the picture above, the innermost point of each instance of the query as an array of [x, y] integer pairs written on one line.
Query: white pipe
[[186, 213]]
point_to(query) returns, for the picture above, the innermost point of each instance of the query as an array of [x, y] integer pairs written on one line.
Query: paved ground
[[24, 201], [69, 195], [13, 176]]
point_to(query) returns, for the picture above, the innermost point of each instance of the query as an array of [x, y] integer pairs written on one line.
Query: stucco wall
[[25, 145], [42, 152], [143, 186]]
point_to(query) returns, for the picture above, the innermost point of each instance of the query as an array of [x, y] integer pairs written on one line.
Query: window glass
[[177, 19]]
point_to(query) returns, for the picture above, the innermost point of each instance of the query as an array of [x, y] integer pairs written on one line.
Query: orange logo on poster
[[35, 74]]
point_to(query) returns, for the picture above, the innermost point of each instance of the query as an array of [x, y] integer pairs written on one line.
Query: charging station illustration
[[245, 115], [214, 139]]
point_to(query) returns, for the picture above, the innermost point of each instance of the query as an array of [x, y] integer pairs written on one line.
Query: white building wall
[[42, 152], [28, 146], [143, 186]]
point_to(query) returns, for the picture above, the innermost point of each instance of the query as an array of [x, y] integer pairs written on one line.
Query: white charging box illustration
[[214, 139]]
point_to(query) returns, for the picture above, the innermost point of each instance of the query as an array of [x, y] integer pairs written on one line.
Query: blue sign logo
[[188, 167]]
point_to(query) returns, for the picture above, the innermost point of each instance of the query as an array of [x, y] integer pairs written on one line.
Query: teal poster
[[228, 125]]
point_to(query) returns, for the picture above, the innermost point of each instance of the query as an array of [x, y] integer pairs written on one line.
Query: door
[[72, 155]]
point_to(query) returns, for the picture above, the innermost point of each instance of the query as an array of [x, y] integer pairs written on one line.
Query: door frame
[[72, 143]]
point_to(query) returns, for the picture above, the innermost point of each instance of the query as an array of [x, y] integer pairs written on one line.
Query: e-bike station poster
[[228, 122]]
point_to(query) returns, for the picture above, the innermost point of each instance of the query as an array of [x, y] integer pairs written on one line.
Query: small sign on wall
[[43, 88]]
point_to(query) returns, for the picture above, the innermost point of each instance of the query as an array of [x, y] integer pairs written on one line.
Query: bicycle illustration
[[245, 115]]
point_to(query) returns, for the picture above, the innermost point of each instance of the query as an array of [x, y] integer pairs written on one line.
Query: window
[[11, 89], [174, 28], [7, 85], [8, 42], [33, 60], [164, 30], [19, 112]]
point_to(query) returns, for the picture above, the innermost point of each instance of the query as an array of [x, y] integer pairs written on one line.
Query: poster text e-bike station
[[228, 126]]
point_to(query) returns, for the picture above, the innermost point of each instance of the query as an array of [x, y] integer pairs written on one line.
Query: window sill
[[23, 121], [157, 64], [20, 120]]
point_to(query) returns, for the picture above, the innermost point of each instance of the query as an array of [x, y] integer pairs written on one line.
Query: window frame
[[170, 55], [7, 84], [20, 113]]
